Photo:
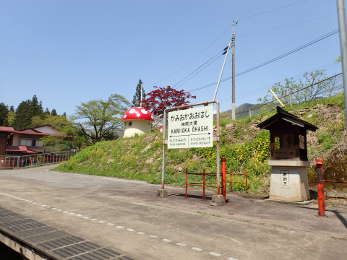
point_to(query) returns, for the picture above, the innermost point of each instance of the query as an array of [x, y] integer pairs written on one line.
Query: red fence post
[[224, 178], [321, 202]]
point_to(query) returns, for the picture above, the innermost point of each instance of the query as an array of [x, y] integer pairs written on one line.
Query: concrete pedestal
[[162, 193], [289, 181], [217, 200]]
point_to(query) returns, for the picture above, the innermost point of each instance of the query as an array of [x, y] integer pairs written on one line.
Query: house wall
[[3, 139], [47, 130], [138, 127], [16, 141]]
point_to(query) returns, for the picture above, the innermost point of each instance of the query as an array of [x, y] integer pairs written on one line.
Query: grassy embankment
[[243, 144]]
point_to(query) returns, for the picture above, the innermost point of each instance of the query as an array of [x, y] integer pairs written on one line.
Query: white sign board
[[190, 128]]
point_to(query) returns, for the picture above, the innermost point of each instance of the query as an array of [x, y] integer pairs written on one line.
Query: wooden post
[[204, 184], [186, 182], [246, 176], [231, 181]]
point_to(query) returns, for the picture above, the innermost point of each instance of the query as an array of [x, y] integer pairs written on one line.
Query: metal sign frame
[[216, 138]]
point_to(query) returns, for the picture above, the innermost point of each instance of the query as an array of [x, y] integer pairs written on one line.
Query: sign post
[[191, 126]]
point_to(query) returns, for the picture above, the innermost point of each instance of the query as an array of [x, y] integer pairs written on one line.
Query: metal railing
[[24, 161]]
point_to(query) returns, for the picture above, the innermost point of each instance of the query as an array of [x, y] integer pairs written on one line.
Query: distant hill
[[244, 110]]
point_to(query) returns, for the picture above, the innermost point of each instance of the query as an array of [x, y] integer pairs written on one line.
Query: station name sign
[[190, 128]]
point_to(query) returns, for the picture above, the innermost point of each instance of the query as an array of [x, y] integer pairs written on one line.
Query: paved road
[[127, 215]]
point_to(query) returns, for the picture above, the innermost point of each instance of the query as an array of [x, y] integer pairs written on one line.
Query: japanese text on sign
[[190, 128]]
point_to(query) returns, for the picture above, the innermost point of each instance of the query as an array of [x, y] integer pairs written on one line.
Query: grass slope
[[243, 144]]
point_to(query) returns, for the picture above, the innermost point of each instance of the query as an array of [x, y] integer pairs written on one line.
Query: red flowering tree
[[162, 98]]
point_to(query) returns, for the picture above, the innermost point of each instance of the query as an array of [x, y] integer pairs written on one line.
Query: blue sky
[[67, 52]]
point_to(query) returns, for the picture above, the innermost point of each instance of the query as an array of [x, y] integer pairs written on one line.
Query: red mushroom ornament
[[137, 121]]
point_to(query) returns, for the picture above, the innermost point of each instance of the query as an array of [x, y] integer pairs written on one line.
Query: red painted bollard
[[320, 187], [321, 201], [224, 178]]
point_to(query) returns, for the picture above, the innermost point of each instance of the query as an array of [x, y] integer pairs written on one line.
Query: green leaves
[[101, 119], [311, 86]]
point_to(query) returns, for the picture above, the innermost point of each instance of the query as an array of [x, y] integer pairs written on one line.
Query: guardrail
[[24, 161]]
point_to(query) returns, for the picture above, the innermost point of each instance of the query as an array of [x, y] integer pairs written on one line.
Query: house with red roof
[[27, 141]]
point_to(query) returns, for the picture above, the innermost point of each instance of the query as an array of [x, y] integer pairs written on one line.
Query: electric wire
[[309, 86], [246, 18], [279, 57], [198, 69]]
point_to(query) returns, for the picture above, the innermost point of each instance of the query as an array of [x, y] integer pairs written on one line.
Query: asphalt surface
[[127, 215]]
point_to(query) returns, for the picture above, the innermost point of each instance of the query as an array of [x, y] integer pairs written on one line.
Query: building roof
[[19, 149], [285, 117], [7, 129], [137, 113], [30, 131]]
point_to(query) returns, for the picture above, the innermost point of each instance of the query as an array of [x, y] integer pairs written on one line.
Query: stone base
[[162, 193], [289, 183], [217, 200]]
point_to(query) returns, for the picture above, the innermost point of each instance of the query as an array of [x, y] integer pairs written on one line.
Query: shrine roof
[[283, 116]]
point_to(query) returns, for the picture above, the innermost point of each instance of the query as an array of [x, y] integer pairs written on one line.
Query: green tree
[[11, 118], [47, 112], [101, 119], [25, 111], [54, 112], [23, 115], [137, 97], [3, 114], [313, 85]]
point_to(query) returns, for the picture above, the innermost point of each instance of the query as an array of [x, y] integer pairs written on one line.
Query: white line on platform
[[153, 236], [119, 227], [110, 224], [166, 240], [215, 254], [232, 258], [140, 233], [181, 244], [197, 249], [130, 230]]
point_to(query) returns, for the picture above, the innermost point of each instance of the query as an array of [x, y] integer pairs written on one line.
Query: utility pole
[[343, 45], [233, 85]]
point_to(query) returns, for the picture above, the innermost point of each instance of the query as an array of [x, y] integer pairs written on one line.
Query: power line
[[295, 50], [246, 18], [261, 106], [198, 69], [309, 86]]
